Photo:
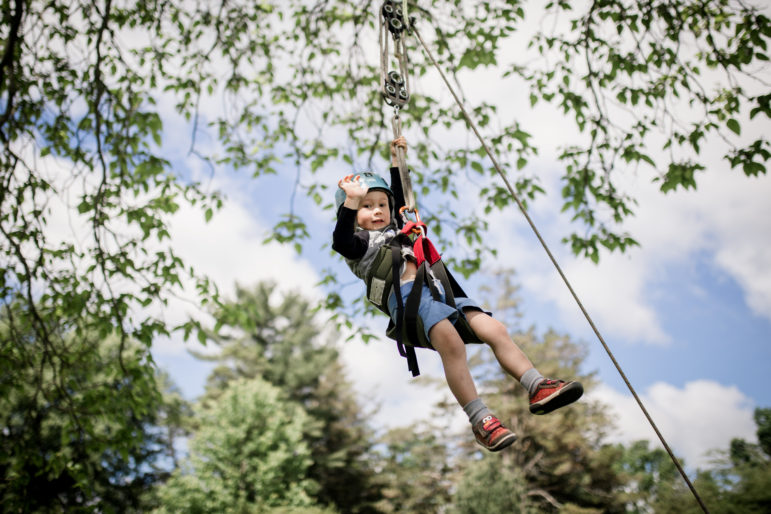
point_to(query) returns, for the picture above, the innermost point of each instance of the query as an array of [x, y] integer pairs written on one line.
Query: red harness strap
[[423, 248]]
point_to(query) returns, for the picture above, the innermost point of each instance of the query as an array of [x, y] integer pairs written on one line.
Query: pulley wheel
[[394, 77]]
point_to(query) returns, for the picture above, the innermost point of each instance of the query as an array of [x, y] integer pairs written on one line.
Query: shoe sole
[[564, 396], [505, 442]]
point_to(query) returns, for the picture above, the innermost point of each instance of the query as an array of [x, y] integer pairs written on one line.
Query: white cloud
[[615, 293], [740, 215], [229, 250], [727, 221], [382, 380], [702, 416]]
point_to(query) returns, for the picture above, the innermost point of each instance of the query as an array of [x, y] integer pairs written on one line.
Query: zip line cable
[[559, 269]]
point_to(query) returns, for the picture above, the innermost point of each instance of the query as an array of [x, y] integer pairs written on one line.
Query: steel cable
[[559, 270]]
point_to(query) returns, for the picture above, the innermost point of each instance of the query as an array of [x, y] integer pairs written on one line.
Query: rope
[[559, 270], [404, 174], [383, 43]]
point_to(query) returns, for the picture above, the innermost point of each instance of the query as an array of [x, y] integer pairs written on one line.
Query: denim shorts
[[430, 311]]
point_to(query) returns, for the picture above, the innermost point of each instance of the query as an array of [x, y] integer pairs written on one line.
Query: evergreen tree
[[650, 476], [763, 422], [738, 483], [279, 341], [505, 490], [560, 458], [745, 477], [415, 470], [247, 455]]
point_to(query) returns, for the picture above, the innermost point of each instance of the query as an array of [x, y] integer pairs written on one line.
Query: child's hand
[[354, 190], [400, 142]]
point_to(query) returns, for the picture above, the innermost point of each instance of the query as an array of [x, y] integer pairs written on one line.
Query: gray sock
[[476, 410], [530, 380]]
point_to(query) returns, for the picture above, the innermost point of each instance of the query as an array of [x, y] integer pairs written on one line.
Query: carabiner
[[418, 224]]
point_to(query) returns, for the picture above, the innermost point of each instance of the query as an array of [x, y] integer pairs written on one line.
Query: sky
[[687, 314]]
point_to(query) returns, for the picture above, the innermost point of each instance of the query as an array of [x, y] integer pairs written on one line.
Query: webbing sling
[[409, 351]]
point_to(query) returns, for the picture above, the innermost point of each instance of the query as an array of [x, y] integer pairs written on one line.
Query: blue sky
[[688, 314]]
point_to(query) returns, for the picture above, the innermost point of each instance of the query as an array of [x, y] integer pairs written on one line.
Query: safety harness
[[384, 275]]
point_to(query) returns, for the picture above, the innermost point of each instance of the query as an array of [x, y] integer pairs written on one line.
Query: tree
[[647, 78], [651, 478], [84, 437], [505, 490], [763, 422], [78, 129], [414, 468], [282, 343], [248, 455], [745, 476], [559, 461]]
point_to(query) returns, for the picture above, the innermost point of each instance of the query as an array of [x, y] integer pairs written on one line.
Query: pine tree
[[560, 457], [280, 341], [745, 476], [505, 490], [415, 470]]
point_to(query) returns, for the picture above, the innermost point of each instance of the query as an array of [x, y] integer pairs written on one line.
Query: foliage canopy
[[85, 88]]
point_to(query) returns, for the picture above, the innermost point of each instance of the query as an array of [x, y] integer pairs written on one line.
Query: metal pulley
[[394, 91], [393, 22], [396, 84], [394, 17]]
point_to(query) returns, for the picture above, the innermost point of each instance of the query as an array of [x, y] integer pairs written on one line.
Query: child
[[366, 220]]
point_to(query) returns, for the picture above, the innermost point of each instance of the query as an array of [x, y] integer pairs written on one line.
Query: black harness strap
[[405, 351], [411, 314]]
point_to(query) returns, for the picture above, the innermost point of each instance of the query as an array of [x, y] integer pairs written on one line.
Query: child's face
[[373, 213]]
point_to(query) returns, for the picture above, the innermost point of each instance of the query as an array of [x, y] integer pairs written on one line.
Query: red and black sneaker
[[491, 434], [553, 394]]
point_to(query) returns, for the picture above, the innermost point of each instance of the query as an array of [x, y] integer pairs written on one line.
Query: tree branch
[[7, 63]]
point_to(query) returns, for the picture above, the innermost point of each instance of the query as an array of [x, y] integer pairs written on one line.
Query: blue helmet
[[374, 182]]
